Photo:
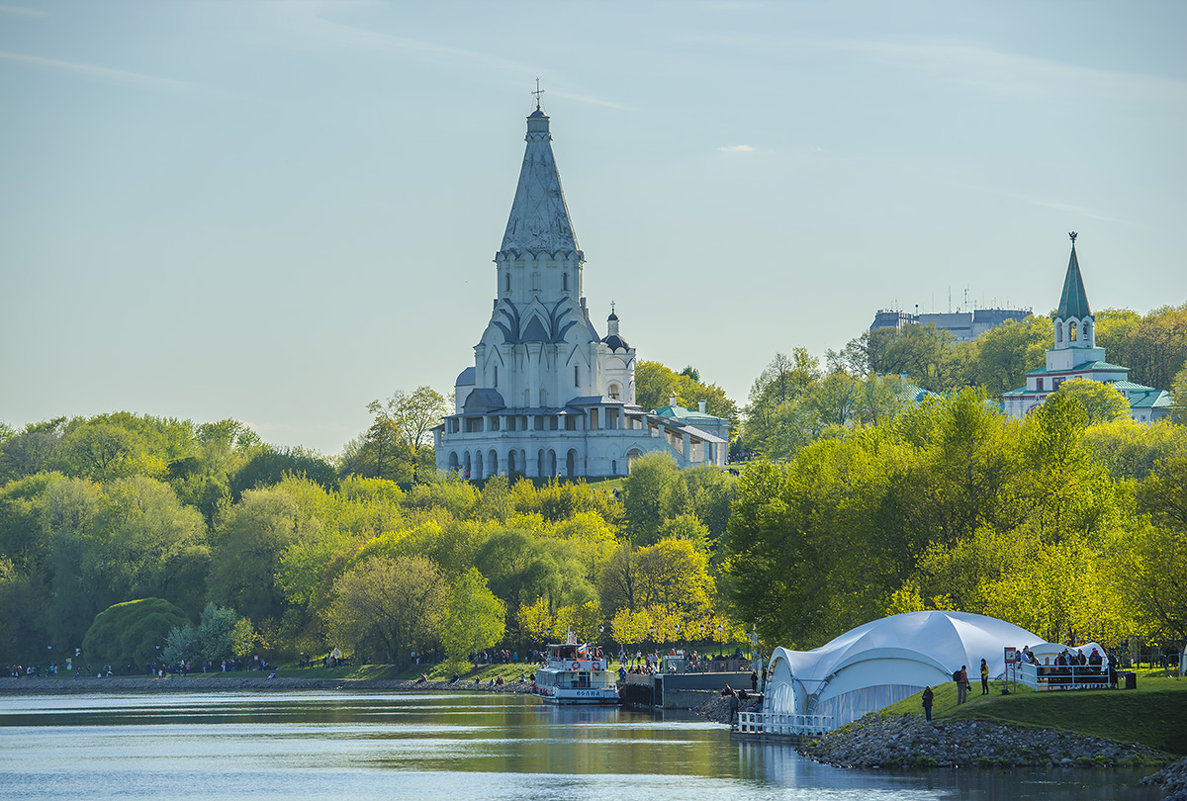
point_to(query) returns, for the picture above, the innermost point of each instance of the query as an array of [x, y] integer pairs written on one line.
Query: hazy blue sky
[[281, 211]]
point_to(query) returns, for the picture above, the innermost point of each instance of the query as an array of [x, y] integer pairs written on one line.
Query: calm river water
[[445, 747]]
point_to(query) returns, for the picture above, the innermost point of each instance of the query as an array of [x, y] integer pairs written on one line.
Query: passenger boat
[[575, 673]]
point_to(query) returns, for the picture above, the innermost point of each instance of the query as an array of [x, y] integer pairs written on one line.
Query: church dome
[[614, 342]]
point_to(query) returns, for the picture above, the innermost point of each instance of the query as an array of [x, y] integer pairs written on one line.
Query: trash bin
[[1131, 681]]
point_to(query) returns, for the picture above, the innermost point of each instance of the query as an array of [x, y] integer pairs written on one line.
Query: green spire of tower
[[1074, 301]]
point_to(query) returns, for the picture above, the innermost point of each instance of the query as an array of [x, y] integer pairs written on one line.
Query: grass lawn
[[1154, 714]]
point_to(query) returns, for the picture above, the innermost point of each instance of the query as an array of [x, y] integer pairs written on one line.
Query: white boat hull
[[579, 696]]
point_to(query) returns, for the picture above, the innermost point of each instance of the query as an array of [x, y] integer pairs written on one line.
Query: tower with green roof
[[1074, 354]]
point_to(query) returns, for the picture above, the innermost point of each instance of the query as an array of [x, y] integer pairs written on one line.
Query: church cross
[[1072, 234], [537, 93]]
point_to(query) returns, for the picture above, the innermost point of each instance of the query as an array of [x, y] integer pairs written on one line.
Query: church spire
[[539, 220], [1073, 303]]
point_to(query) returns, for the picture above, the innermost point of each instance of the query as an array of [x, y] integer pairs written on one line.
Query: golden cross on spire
[[537, 93]]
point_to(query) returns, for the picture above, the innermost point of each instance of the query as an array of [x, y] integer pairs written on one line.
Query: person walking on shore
[[928, 697], [962, 685], [984, 677]]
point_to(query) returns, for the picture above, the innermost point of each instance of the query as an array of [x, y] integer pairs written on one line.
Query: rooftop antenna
[[537, 93]]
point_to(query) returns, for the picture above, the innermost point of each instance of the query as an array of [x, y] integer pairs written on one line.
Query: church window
[[1039, 384], [507, 281], [613, 392], [1087, 330], [535, 280], [576, 376], [496, 375], [1058, 334], [1071, 331], [565, 281]]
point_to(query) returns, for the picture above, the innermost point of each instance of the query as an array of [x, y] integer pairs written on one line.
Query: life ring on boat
[[597, 665], [575, 666]]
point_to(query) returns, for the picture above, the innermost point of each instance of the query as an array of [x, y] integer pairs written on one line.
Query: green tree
[[474, 619], [1102, 402], [672, 575], [414, 414], [30, 451], [1179, 396], [269, 467], [100, 451], [248, 548], [215, 632], [1007, 353], [388, 607], [654, 492], [131, 632]]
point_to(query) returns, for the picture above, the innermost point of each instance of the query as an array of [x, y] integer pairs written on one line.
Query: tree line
[[208, 543]]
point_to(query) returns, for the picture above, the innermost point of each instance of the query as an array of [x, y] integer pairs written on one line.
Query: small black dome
[[614, 341], [612, 316]]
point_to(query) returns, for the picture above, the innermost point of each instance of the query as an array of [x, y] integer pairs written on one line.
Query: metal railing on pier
[[1065, 677], [781, 723]]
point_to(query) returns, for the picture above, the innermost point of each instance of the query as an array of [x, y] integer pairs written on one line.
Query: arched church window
[[1088, 331], [565, 281], [1058, 334], [613, 391], [535, 280], [1071, 331]]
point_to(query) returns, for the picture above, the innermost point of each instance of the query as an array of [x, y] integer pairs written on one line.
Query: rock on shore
[[1172, 780], [910, 741], [717, 708], [238, 681]]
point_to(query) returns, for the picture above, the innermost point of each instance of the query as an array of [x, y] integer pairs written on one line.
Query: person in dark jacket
[[928, 697], [984, 677]]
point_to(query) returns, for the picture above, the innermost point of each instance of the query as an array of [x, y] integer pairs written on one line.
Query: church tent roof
[[539, 220], [1074, 300]]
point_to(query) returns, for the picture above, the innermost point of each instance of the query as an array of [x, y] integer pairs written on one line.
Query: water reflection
[[397, 746]]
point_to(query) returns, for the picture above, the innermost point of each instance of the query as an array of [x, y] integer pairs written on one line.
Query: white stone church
[[548, 395], [1075, 355]]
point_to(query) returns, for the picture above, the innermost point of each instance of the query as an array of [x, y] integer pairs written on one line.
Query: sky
[[281, 211]]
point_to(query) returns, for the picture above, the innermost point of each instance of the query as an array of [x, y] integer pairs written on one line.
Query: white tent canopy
[[887, 660]]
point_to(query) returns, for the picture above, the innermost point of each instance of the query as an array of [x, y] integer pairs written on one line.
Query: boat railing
[[783, 723]]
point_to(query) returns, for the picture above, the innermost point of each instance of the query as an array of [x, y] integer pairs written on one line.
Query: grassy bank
[[1154, 714]]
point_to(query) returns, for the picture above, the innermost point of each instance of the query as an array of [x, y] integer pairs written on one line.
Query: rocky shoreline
[[909, 741], [238, 682], [1172, 780]]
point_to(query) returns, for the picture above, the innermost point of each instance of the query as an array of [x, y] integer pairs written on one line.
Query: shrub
[[131, 631]]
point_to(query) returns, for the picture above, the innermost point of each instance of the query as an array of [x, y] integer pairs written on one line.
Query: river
[[449, 746]]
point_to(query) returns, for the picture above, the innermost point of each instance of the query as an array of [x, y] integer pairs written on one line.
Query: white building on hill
[[1075, 355], [548, 395]]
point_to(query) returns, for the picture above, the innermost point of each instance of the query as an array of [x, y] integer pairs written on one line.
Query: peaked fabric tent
[[888, 660]]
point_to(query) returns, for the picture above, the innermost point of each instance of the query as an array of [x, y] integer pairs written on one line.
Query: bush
[[131, 631]]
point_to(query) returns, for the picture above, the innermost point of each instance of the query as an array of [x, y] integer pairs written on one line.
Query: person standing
[[928, 697], [984, 677], [962, 684]]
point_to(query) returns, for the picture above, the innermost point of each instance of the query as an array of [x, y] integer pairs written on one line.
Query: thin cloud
[[997, 71], [593, 101], [22, 11], [110, 74], [736, 149], [1079, 211]]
